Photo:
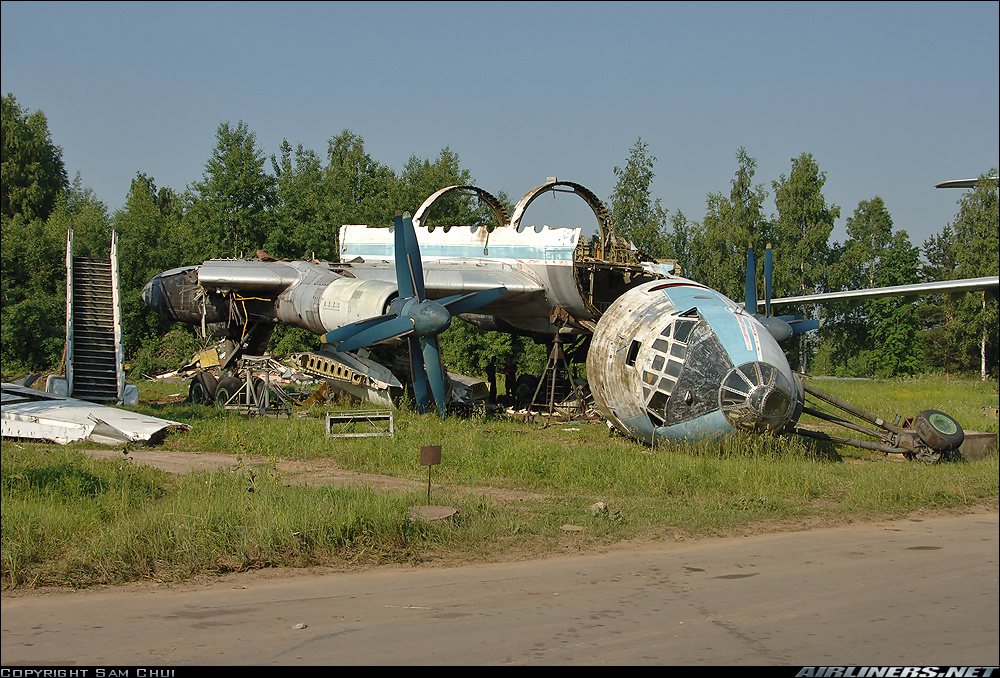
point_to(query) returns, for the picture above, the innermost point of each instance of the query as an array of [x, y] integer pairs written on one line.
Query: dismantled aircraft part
[[466, 390], [931, 436], [676, 343], [176, 295], [371, 423], [666, 361], [757, 397], [414, 316], [32, 414], [525, 388], [420, 216], [542, 268], [967, 183], [987, 285], [228, 390], [361, 377], [939, 431], [784, 327], [253, 389], [600, 211], [202, 388]]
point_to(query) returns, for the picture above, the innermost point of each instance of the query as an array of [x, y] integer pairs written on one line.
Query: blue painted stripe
[[387, 251]]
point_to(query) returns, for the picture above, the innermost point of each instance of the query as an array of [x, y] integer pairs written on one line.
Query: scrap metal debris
[[28, 413]]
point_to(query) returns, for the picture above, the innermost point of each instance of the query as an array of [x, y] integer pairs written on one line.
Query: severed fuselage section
[[672, 360]]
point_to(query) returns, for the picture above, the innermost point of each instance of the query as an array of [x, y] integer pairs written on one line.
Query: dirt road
[[921, 591]]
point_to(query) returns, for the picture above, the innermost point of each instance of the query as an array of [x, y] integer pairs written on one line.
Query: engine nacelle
[[349, 300], [319, 305]]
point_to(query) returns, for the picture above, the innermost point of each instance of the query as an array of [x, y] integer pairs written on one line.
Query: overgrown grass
[[69, 519]]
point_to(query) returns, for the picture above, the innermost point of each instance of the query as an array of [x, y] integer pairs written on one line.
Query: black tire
[[202, 389], [228, 386], [939, 431], [524, 387]]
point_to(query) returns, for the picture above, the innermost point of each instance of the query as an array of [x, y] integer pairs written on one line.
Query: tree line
[[292, 204], [884, 337]]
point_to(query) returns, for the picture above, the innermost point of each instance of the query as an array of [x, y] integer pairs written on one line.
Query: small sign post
[[429, 456]]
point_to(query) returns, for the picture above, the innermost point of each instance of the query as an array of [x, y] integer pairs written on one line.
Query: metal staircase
[[94, 348]]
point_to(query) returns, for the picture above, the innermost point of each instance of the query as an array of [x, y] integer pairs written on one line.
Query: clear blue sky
[[890, 98]]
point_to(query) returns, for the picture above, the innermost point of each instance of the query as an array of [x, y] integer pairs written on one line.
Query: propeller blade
[[421, 391], [390, 329], [463, 303], [432, 365], [347, 331], [409, 273], [750, 296], [768, 271], [801, 325]]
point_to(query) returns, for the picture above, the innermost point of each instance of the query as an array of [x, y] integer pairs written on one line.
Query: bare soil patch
[[312, 472]]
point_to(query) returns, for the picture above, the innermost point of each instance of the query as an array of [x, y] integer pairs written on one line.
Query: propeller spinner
[[413, 316]]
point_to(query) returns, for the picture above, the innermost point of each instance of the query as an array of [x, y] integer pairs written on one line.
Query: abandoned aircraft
[[543, 282], [669, 357]]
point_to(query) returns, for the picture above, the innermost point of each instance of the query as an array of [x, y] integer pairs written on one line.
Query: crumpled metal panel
[[27, 413]]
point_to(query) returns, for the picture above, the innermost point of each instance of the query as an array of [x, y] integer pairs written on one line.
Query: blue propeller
[[415, 317], [782, 327]]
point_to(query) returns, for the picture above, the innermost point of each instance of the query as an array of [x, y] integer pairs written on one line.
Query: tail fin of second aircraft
[[782, 327]]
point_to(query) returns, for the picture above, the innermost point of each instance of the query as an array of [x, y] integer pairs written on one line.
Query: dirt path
[[312, 472]]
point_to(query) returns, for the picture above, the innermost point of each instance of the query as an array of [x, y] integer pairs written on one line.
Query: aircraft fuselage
[[673, 359]]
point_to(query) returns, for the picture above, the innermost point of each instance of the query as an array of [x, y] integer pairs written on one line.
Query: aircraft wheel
[[202, 389], [939, 431], [524, 387], [228, 386]]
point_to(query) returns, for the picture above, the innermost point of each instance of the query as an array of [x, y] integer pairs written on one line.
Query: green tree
[[977, 254], [34, 271], [802, 229], [469, 350], [230, 206], [893, 322], [33, 174], [877, 337], [360, 187], [636, 217], [305, 217], [149, 231], [800, 237], [730, 225], [681, 243], [936, 314]]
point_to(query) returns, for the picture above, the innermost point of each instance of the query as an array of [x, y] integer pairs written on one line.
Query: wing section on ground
[[38, 415]]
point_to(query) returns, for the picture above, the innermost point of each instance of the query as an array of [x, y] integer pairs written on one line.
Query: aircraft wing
[[988, 284], [963, 183]]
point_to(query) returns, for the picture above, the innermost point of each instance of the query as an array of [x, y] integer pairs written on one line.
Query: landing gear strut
[[931, 436]]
